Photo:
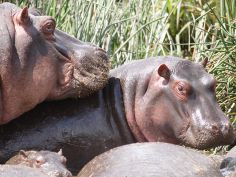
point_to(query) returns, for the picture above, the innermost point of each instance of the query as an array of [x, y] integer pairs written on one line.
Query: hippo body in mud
[[39, 62], [163, 99], [39, 163], [151, 160]]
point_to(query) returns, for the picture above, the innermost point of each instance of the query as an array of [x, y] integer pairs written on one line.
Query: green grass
[[132, 29]]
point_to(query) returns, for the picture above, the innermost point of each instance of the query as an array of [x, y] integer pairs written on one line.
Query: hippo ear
[[23, 16], [23, 154], [204, 62], [164, 71], [60, 152]]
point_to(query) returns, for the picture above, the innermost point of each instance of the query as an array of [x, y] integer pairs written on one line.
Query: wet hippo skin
[[83, 128], [164, 99]]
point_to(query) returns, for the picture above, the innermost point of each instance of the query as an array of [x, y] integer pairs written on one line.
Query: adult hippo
[[151, 160], [38, 62], [164, 99]]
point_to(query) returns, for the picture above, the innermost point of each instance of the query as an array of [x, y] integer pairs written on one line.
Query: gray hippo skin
[[228, 165], [42, 163], [151, 160], [39, 62], [173, 101]]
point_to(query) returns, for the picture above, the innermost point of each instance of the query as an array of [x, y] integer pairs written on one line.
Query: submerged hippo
[[164, 99], [151, 160], [41, 163], [38, 62]]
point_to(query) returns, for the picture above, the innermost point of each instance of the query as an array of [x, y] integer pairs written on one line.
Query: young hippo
[[47, 163], [39, 62], [173, 100]]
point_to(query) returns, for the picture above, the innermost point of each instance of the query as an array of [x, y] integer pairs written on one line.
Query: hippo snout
[[228, 133], [101, 53], [94, 51], [91, 64], [204, 136], [224, 128], [89, 51]]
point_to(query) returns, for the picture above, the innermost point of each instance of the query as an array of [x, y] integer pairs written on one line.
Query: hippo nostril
[[214, 128], [226, 128]]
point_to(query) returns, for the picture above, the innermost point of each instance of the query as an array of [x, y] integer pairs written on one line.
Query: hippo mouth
[[204, 139], [90, 75], [90, 67]]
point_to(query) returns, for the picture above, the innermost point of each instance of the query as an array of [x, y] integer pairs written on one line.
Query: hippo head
[[39, 62], [179, 106], [51, 163]]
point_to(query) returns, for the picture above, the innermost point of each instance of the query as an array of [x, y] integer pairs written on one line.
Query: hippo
[[42, 163], [172, 99], [153, 159], [39, 62]]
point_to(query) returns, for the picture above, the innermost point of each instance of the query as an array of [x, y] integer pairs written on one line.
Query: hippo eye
[[180, 88], [40, 160], [49, 27]]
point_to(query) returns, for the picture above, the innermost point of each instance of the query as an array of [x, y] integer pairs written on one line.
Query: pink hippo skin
[[39, 62]]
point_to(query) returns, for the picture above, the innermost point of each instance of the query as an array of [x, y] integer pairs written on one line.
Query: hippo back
[[150, 160]]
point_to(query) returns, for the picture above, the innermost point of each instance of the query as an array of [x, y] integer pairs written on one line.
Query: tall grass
[[131, 29], [126, 29]]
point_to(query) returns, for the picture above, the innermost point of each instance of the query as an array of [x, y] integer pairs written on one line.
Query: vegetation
[[133, 29]]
